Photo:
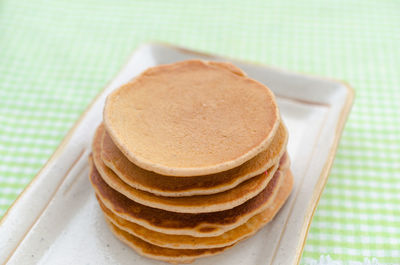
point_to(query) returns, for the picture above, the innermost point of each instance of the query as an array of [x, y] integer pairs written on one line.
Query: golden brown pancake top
[[191, 118]]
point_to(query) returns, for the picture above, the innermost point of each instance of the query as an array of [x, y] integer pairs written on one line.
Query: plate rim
[[326, 169], [322, 178]]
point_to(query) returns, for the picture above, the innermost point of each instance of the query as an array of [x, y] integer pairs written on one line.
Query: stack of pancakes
[[190, 159]]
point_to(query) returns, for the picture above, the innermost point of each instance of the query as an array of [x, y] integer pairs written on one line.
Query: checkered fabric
[[55, 56]]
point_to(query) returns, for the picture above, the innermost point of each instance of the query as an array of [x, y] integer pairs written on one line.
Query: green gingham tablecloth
[[55, 56]]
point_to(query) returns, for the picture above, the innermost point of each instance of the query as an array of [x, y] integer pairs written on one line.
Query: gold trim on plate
[[323, 178]]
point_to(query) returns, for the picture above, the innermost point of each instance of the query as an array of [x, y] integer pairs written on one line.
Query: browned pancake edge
[[190, 242], [193, 204], [200, 185], [164, 254], [203, 224]]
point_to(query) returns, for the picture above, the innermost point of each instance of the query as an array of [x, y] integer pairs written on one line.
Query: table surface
[[55, 56]]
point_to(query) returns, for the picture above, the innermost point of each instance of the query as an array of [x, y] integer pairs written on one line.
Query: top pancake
[[191, 118]]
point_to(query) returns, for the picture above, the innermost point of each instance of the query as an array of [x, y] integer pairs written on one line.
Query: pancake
[[193, 204], [200, 185], [164, 254], [189, 242], [228, 66], [191, 118], [200, 225]]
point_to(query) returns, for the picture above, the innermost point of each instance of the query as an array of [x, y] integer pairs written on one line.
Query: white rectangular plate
[[56, 220]]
